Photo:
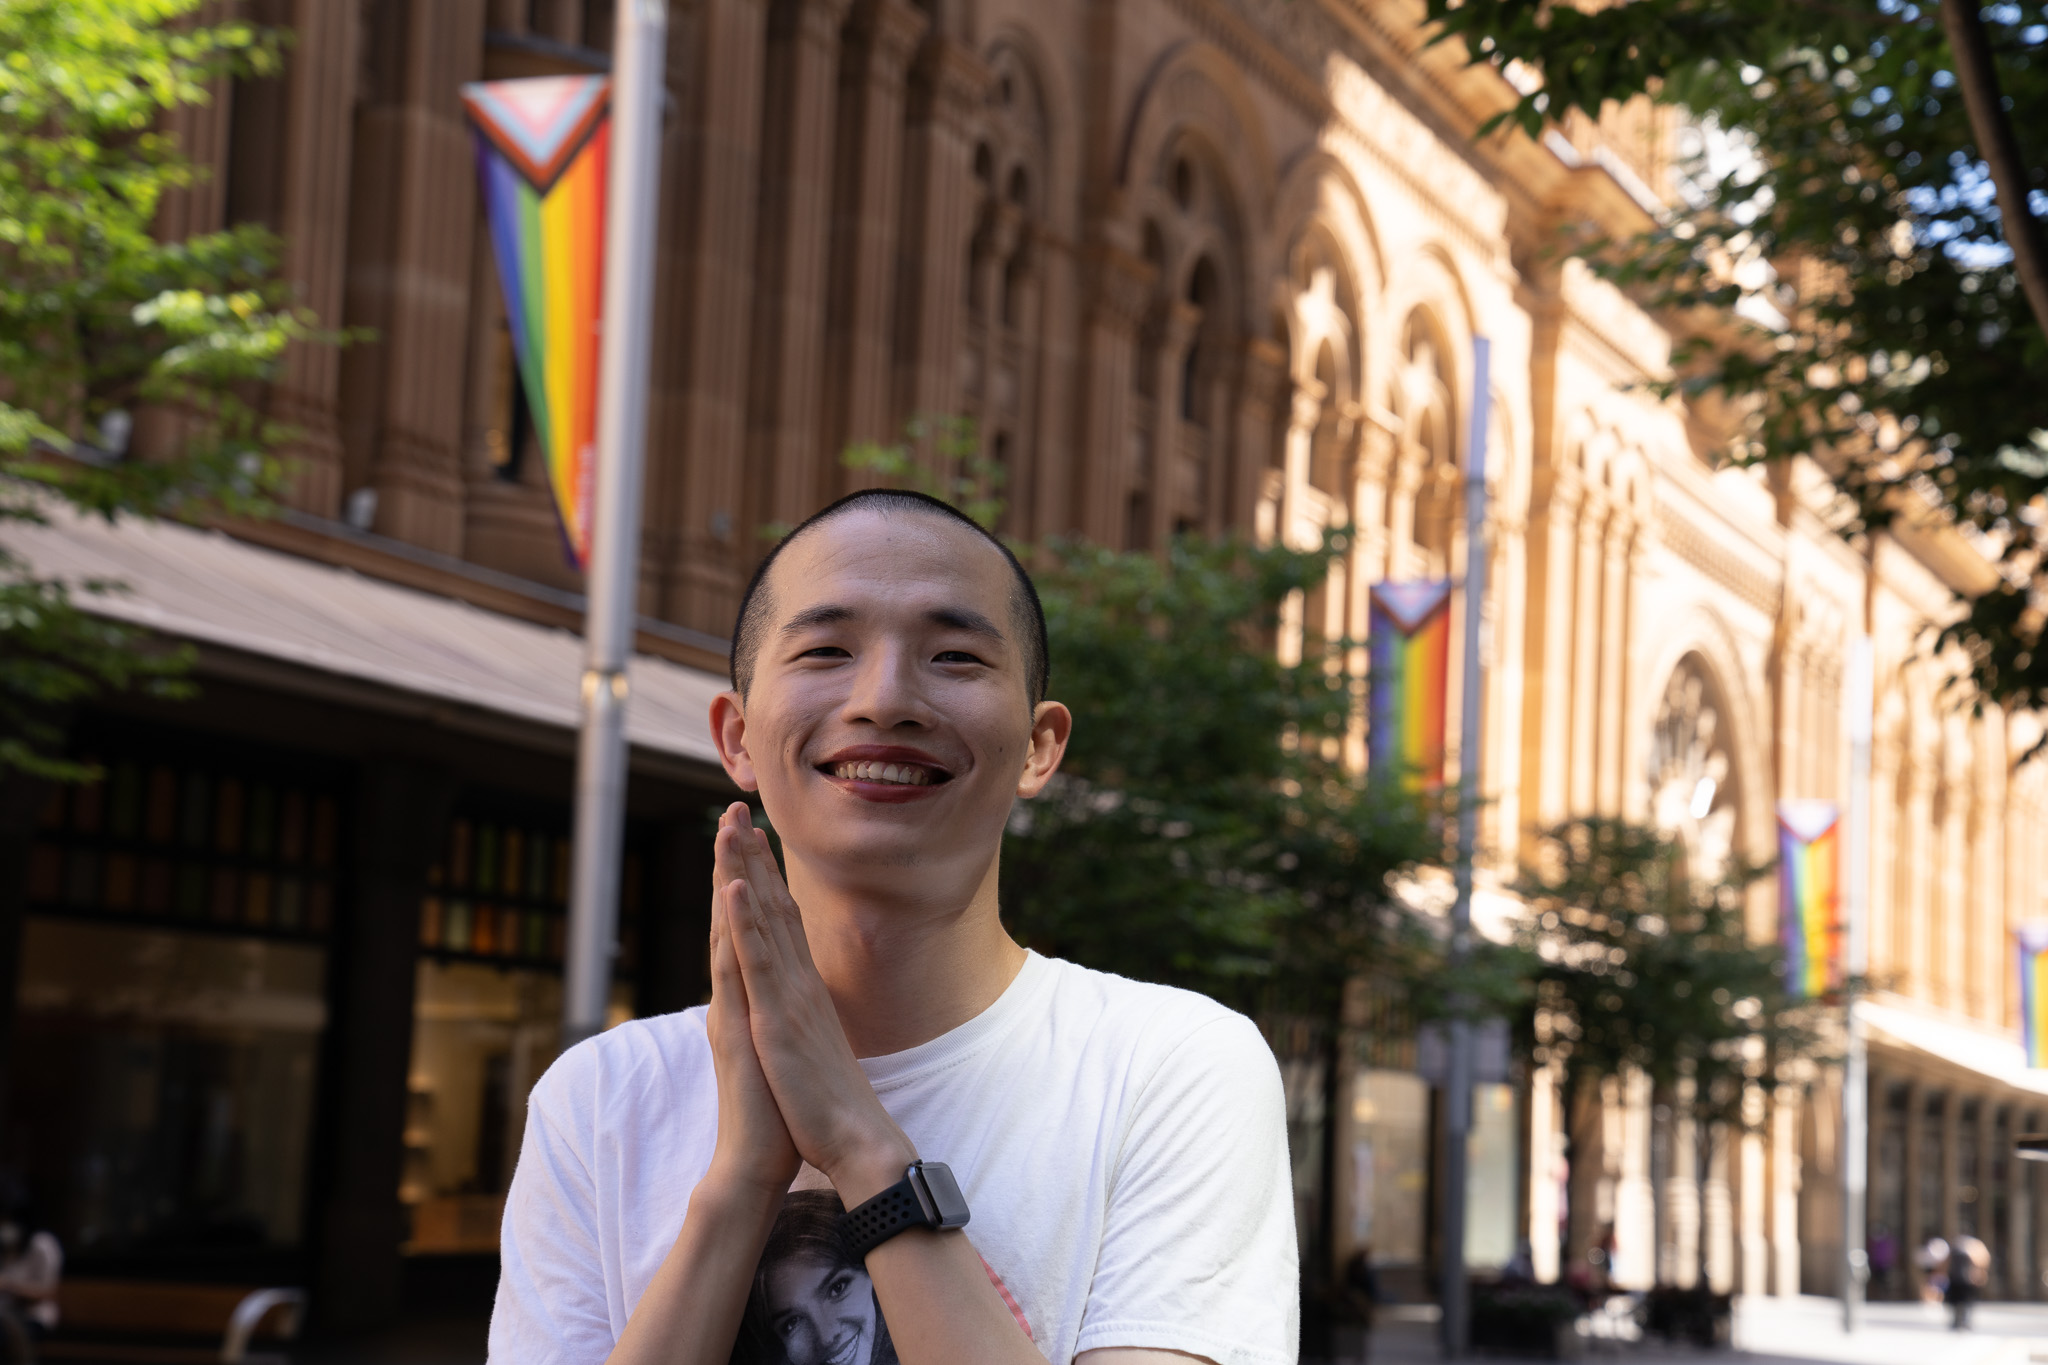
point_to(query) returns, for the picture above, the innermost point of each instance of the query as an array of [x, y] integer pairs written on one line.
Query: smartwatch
[[926, 1197]]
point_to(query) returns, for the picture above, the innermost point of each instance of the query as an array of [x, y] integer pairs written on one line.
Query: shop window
[[500, 893], [487, 1016], [1390, 1137], [171, 1002], [183, 843], [163, 1092]]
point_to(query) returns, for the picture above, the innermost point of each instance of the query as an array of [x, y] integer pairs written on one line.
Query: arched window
[[1184, 368], [1004, 336], [1693, 790], [1422, 402]]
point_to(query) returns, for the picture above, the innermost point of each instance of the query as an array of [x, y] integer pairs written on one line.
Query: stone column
[[1914, 877], [22, 799], [1409, 468], [715, 219], [1615, 635], [675, 972], [1719, 1212], [412, 205], [1546, 671], [1262, 375], [1683, 1208], [2037, 1214], [1376, 442], [202, 132], [1991, 935], [868, 161], [1545, 1161], [401, 813], [560, 20], [1784, 1190], [789, 476], [313, 220], [1120, 285], [1635, 1214], [1054, 467], [945, 91], [1884, 860], [1916, 1230], [1582, 752], [1019, 354], [1753, 1205], [1951, 1166], [1177, 332], [1304, 413], [1952, 913]]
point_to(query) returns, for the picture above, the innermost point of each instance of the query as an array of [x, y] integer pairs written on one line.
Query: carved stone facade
[[1214, 265]]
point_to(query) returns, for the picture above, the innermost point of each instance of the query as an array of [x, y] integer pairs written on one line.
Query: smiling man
[[1017, 1160]]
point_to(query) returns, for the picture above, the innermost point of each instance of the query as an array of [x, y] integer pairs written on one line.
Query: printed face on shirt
[[821, 1312], [889, 723]]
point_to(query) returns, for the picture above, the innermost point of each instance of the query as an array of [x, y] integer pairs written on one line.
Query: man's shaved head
[[1026, 613]]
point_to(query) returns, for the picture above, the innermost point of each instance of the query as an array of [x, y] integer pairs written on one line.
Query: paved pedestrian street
[[1774, 1331]]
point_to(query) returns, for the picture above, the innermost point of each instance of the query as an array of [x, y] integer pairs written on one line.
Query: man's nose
[[888, 690]]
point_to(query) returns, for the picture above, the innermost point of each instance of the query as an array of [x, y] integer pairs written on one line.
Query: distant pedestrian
[[1969, 1270], [1933, 1263], [1884, 1255], [31, 1266]]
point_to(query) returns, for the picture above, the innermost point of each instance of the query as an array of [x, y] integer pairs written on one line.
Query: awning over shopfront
[[1995, 1057], [219, 592]]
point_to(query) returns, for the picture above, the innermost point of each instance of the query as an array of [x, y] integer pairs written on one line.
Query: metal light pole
[[1457, 1318], [631, 199], [1856, 913]]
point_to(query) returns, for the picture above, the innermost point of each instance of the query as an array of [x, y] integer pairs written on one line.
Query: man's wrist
[[727, 1197], [872, 1167]]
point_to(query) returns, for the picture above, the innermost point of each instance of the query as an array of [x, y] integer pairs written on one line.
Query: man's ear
[[1051, 723], [729, 733]]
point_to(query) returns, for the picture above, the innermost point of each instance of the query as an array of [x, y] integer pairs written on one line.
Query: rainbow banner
[[540, 150], [2033, 946], [1810, 896], [1410, 635]]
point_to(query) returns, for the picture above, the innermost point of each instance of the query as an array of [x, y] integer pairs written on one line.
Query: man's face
[[888, 724]]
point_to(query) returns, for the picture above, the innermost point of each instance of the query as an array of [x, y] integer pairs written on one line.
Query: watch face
[[947, 1202]]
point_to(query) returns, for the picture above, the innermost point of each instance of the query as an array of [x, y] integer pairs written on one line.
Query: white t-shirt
[[1122, 1148]]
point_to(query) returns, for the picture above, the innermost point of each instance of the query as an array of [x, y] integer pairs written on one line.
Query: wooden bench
[[154, 1322]]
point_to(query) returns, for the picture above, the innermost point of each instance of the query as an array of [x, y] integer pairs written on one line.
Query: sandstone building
[[1188, 264]]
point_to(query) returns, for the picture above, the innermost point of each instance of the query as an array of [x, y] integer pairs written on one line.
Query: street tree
[[1642, 966], [1856, 254], [100, 321], [1206, 828]]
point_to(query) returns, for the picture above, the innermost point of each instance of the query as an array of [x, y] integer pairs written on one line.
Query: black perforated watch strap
[[894, 1210]]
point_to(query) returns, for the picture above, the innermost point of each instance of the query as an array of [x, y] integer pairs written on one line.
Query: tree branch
[[1977, 75]]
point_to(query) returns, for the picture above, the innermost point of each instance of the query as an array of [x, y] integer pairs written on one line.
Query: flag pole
[[1856, 915], [1457, 1322], [639, 50]]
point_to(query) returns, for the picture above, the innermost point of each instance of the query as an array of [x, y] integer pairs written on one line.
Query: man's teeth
[[905, 773]]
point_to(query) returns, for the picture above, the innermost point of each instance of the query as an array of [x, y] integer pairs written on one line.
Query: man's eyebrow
[[825, 614], [967, 619], [952, 618]]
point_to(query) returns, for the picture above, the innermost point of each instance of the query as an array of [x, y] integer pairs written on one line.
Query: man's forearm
[[690, 1314], [933, 1287]]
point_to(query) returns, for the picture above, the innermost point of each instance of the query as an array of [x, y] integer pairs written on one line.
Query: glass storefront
[[1493, 1191], [1390, 1165], [487, 1017], [164, 1088], [172, 1000]]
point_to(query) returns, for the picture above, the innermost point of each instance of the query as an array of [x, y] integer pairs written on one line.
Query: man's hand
[[824, 1097], [753, 1150]]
